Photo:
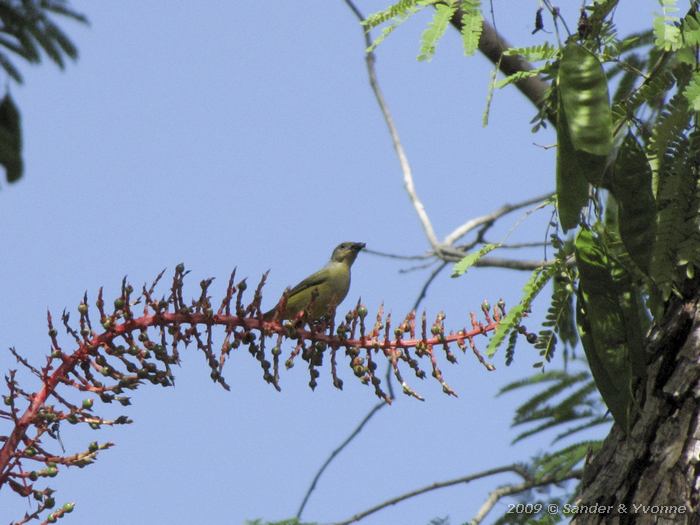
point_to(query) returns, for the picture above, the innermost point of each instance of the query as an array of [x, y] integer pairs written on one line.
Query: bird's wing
[[312, 280]]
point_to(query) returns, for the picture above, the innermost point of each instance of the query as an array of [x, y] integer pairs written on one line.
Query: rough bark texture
[[656, 464]]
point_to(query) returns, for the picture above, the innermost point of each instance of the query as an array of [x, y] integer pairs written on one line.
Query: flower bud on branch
[[140, 339]]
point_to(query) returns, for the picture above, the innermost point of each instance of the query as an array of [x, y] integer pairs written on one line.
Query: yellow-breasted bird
[[330, 284]]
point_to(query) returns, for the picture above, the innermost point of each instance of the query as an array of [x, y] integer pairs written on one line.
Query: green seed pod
[[583, 89]]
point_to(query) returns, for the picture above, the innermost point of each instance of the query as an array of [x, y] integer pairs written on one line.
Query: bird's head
[[347, 252]]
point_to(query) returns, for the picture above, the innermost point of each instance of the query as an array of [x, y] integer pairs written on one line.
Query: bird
[[320, 292]]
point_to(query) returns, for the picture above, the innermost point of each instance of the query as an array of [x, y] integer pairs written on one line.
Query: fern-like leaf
[[549, 409], [520, 75], [399, 9], [534, 53], [435, 30], [461, 267], [472, 25], [666, 30], [692, 92], [539, 278]]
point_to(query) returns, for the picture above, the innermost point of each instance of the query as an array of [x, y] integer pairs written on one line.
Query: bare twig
[[337, 451], [511, 264], [474, 223], [519, 245], [431, 278], [398, 256], [509, 490], [395, 139], [517, 469], [492, 45]]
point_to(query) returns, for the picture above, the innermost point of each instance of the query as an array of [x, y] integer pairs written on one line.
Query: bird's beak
[[358, 246]]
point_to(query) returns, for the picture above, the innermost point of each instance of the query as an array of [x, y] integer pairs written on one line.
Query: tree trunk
[[651, 475]]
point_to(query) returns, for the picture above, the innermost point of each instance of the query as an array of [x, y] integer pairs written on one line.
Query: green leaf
[[436, 28], [564, 460], [400, 8], [537, 281], [489, 95], [631, 187], [10, 139], [692, 91], [667, 33], [583, 90], [534, 53], [519, 75], [562, 398], [472, 25], [469, 260]]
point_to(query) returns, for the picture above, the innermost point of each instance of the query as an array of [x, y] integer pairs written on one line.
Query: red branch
[[165, 319]]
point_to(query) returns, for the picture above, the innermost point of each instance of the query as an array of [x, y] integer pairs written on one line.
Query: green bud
[[49, 502], [82, 308], [68, 507], [87, 403]]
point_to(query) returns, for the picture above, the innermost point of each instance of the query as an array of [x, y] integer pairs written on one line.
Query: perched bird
[[330, 284]]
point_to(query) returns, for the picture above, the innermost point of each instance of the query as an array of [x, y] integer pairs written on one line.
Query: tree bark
[[650, 475]]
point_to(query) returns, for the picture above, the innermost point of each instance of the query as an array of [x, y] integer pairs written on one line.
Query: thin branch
[[517, 469], [510, 264], [337, 451], [509, 490], [474, 223], [424, 289], [520, 245], [398, 256], [396, 141]]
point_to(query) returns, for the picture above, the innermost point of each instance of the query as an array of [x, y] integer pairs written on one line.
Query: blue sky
[[245, 135]]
